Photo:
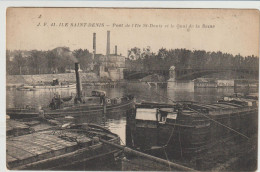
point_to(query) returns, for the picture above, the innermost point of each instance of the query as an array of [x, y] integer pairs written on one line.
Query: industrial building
[[109, 66]]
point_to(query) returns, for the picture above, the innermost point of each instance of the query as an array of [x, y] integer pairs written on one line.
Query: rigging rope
[[133, 143], [167, 158], [121, 141], [220, 123], [180, 142], [165, 97], [170, 135]]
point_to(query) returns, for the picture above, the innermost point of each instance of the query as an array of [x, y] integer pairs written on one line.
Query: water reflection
[[36, 98]]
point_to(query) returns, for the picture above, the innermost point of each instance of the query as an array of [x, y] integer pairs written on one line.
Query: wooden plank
[[34, 150], [57, 147], [36, 147], [56, 143], [224, 106], [42, 127], [10, 158], [231, 104], [42, 145], [57, 140], [31, 147], [16, 124], [18, 153]]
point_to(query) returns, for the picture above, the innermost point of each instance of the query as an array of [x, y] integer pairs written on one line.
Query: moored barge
[[91, 106], [40, 144], [191, 129]]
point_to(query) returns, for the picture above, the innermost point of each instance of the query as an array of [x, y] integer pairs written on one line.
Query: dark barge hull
[[194, 132], [76, 110]]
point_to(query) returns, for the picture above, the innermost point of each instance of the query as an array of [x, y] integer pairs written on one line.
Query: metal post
[[108, 43], [104, 105], [94, 43]]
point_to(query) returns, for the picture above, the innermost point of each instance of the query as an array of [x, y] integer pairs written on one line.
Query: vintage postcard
[[132, 89]]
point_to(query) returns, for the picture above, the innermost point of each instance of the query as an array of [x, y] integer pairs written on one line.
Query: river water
[[175, 91]]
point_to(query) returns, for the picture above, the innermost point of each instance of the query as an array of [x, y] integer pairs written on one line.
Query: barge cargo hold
[[191, 130], [44, 145]]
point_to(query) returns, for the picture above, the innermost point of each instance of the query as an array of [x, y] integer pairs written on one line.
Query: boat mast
[[78, 85]]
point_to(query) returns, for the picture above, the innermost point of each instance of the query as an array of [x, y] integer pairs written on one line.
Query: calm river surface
[[116, 122]]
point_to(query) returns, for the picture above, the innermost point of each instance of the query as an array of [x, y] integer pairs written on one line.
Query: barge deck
[[34, 145]]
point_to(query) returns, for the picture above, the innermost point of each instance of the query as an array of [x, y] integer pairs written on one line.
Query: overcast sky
[[231, 31]]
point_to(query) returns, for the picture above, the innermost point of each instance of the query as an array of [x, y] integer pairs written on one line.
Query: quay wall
[[214, 83], [34, 79]]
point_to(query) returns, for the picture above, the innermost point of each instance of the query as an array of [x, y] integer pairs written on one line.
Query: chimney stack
[[94, 43], [116, 50], [79, 91], [108, 43]]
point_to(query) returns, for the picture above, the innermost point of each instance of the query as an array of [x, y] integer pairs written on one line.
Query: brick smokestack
[[94, 43], [108, 42], [116, 50], [79, 91]]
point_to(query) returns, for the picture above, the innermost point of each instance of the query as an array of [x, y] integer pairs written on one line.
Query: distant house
[[205, 83], [226, 83], [211, 82], [110, 61]]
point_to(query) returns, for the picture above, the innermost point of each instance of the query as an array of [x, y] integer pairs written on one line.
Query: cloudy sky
[[231, 31]]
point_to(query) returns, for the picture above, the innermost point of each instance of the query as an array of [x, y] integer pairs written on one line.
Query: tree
[[18, 63], [37, 63], [84, 57], [134, 53], [52, 61], [9, 63]]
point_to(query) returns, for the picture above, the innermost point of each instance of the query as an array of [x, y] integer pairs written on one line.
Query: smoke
[[65, 53], [72, 57]]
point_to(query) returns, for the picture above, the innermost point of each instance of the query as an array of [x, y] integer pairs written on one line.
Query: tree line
[[186, 59], [58, 60], [61, 59]]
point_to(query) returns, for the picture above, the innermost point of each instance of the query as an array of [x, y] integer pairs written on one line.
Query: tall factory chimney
[[116, 50], [108, 43], [94, 43]]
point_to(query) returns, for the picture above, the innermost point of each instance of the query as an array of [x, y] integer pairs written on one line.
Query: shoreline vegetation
[[32, 67]]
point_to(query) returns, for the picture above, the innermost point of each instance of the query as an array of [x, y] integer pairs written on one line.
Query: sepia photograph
[[131, 89]]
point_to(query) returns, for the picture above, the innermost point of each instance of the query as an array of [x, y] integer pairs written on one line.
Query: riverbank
[[216, 83], [16, 80]]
